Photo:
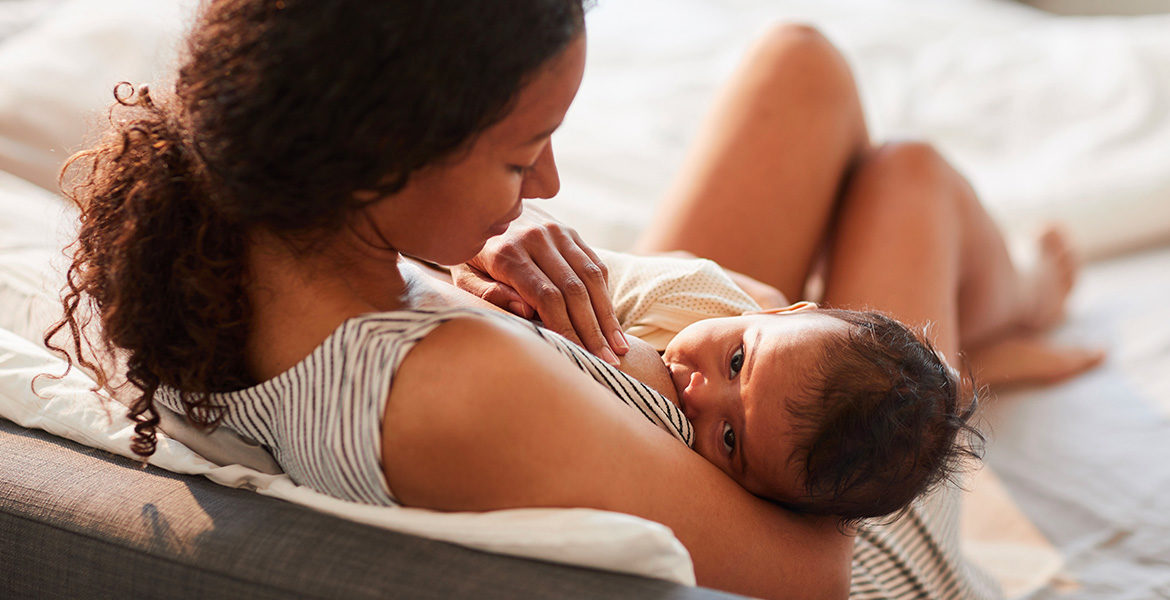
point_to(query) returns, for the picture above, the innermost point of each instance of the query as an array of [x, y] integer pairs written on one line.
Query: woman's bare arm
[[482, 417]]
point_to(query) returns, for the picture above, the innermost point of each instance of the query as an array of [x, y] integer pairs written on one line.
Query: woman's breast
[[643, 363]]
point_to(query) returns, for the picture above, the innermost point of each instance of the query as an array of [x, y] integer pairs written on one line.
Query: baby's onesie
[[655, 297]]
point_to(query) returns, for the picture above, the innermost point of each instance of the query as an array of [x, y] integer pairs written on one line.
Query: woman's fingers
[[596, 276], [551, 270], [572, 297]]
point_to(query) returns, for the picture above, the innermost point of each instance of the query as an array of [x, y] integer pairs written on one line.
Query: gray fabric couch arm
[[81, 523]]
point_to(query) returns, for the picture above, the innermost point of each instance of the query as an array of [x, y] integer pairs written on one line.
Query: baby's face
[[736, 378]]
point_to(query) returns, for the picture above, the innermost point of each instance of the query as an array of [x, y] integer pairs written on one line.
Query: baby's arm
[[764, 295]]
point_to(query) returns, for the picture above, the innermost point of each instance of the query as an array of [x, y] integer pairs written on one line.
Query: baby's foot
[[1029, 359], [1048, 280]]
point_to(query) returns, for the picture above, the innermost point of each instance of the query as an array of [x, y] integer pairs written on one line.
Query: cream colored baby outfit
[[655, 297]]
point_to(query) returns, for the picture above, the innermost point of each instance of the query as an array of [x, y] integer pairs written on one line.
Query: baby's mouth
[[680, 379]]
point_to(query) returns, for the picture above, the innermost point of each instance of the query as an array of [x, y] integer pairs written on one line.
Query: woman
[[245, 227]]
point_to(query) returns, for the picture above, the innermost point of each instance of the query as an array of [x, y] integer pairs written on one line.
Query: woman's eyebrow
[[540, 136]]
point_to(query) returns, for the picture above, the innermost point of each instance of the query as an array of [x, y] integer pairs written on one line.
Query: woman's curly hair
[[281, 111]]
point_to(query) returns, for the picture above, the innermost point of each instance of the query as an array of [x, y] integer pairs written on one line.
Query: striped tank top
[[322, 418]]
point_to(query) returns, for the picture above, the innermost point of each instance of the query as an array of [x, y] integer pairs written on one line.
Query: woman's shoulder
[[482, 418], [411, 322], [399, 331]]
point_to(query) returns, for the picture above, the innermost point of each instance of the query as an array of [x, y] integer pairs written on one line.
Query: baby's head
[[829, 412]]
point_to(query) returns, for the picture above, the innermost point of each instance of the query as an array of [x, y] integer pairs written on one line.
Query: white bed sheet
[[1088, 461], [1049, 116]]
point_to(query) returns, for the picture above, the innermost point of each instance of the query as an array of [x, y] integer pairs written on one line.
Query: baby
[[823, 411]]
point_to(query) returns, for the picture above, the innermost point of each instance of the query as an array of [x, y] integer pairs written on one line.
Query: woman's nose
[[542, 180]]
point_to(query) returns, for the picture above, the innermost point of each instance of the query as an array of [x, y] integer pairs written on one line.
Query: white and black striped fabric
[[918, 556], [322, 419], [322, 422]]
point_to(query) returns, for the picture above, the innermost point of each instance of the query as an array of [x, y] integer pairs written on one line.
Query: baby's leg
[[758, 191]]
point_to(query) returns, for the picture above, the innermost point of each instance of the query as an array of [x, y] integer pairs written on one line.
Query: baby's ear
[[791, 308]]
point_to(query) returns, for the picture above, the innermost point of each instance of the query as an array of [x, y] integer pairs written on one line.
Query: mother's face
[[448, 210]]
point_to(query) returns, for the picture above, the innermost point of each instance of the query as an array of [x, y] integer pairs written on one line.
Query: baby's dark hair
[[888, 422]]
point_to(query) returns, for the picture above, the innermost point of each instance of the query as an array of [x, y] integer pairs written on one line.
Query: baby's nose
[[694, 396]]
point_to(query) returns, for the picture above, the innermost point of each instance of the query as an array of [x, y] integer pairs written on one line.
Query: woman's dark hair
[[281, 111], [888, 422]]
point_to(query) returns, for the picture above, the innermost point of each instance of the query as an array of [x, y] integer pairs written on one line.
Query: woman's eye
[[728, 438], [521, 169], [736, 362]]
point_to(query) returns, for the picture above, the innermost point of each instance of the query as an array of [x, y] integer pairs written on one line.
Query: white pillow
[[57, 77], [34, 224]]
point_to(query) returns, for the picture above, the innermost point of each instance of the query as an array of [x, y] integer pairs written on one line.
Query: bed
[[1051, 117]]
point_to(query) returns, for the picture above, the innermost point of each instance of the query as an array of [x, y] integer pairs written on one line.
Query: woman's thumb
[[505, 297], [499, 294]]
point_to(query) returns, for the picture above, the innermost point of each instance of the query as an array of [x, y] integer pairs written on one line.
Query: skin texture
[[558, 279]]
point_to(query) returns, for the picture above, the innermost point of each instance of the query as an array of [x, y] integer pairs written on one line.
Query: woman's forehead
[[542, 103]]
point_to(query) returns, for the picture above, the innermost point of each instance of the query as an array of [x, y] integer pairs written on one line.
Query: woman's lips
[[502, 225]]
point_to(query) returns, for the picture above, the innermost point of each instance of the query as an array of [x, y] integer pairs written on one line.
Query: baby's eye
[[736, 362], [728, 438]]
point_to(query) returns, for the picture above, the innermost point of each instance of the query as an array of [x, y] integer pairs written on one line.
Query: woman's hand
[[541, 266]]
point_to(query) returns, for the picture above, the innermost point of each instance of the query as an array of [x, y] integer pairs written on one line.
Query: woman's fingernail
[[516, 308], [619, 340], [608, 356]]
